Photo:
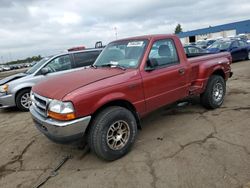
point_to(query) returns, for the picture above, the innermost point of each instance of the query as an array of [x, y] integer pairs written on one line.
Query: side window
[[235, 44], [59, 64], [242, 44], [164, 53], [85, 58], [193, 50]]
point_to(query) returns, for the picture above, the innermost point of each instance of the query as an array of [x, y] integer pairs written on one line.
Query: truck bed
[[202, 58], [198, 64]]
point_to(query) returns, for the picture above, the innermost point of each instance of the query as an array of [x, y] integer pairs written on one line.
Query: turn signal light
[[62, 117]]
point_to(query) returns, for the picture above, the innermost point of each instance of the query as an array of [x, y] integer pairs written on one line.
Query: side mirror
[[44, 71], [151, 64]]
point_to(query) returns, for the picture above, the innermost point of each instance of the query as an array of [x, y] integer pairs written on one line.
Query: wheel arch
[[21, 90], [219, 72], [119, 102]]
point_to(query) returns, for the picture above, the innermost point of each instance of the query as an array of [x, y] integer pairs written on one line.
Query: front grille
[[40, 100], [40, 104]]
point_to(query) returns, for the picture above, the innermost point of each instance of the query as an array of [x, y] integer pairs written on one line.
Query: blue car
[[239, 49], [194, 51], [205, 43]]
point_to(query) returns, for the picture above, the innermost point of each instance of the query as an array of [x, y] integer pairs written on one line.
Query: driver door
[[168, 81]]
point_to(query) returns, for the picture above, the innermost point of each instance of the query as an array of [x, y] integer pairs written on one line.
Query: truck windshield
[[125, 54], [37, 65]]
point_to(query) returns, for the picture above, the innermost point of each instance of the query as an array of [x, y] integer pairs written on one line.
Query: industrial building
[[215, 32]]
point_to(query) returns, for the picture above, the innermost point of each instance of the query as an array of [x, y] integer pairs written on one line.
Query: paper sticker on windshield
[[135, 43], [132, 63], [114, 62]]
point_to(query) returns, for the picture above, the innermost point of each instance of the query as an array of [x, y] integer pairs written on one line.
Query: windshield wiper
[[113, 65]]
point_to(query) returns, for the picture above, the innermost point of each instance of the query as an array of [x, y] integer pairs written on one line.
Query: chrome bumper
[[7, 101], [60, 131]]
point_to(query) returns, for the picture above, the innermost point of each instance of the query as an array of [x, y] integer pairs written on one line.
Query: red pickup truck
[[130, 78]]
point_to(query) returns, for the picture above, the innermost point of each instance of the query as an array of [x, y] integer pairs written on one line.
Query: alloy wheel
[[118, 135]]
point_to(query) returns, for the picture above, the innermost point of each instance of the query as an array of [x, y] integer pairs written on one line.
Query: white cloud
[[65, 18], [32, 27]]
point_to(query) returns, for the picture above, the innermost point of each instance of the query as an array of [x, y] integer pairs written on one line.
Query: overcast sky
[[32, 27]]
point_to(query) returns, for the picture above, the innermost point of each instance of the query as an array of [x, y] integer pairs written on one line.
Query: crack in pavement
[[246, 108], [199, 142], [149, 163], [18, 158], [224, 168], [233, 144]]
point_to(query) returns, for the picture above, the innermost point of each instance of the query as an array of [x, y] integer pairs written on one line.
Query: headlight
[[4, 88], [61, 110]]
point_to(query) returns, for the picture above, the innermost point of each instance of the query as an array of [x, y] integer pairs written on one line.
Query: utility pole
[[2, 59], [115, 28], [10, 59]]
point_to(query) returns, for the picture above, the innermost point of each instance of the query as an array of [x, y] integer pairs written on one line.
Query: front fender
[[109, 98], [14, 89]]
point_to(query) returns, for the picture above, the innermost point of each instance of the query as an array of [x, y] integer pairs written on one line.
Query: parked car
[[6, 68], [129, 79], [15, 89], [194, 51], [242, 36], [239, 49], [205, 43]]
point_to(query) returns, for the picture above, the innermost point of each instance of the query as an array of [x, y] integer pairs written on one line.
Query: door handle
[[181, 71]]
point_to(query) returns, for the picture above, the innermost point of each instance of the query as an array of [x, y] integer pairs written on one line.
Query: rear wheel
[[248, 56], [112, 133], [23, 101], [214, 94]]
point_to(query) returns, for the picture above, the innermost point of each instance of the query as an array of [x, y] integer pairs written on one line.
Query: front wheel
[[23, 101], [112, 133], [214, 94]]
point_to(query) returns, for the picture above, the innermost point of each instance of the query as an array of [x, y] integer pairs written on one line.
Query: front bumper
[[7, 101], [60, 131]]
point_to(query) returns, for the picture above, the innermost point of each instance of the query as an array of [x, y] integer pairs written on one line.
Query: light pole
[[115, 28], [2, 59]]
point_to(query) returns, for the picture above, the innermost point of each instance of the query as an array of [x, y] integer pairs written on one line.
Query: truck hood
[[59, 86], [13, 77]]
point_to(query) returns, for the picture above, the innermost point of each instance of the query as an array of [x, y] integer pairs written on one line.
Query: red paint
[[90, 89]]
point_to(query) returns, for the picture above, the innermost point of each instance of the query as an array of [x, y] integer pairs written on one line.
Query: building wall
[[216, 35], [226, 30]]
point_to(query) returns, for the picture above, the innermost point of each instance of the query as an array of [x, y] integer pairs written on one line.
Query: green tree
[[178, 29], [27, 60]]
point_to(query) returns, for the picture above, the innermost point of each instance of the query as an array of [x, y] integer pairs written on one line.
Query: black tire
[[19, 98], [101, 126], [208, 98]]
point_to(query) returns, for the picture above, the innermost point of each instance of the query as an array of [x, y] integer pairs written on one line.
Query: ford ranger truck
[[131, 78]]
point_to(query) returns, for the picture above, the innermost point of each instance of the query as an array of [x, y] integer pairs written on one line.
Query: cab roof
[[148, 37]]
